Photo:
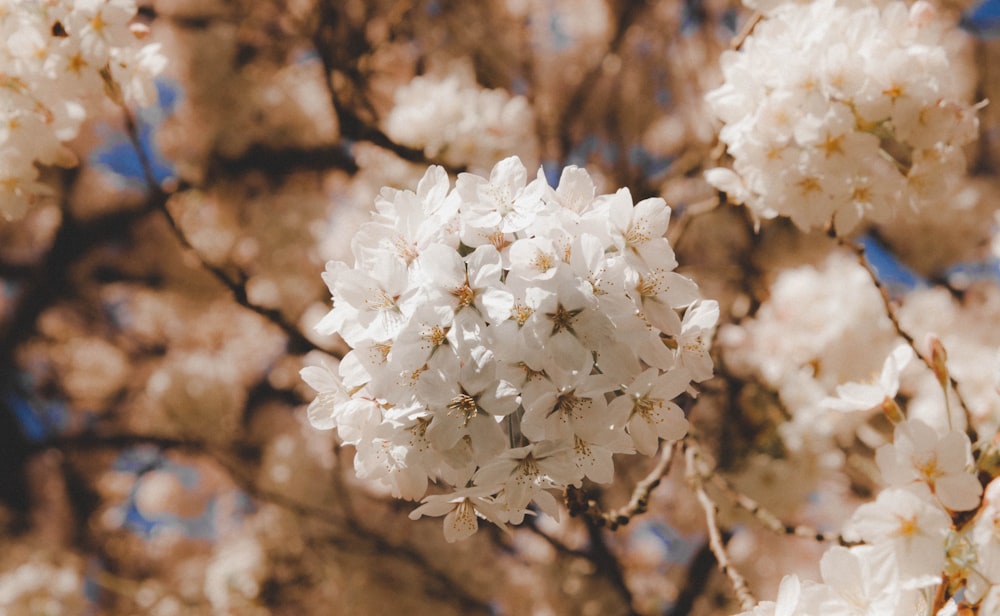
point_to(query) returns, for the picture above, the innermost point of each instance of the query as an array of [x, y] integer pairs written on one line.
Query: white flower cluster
[[56, 58], [507, 339], [456, 121], [804, 342], [841, 111], [908, 537], [42, 587]]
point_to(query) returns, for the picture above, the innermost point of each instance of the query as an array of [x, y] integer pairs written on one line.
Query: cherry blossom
[[509, 368]]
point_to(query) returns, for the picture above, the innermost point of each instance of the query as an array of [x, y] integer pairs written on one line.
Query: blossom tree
[[506, 307]]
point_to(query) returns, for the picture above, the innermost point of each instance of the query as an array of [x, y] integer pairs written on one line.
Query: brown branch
[[746, 31], [352, 126], [579, 503], [715, 541], [890, 310], [768, 519], [695, 581], [576, 104], [607, 563], [297, 342], [243, 477]]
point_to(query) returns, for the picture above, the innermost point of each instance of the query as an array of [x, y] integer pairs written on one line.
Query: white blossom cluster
[[454, 120], [56, 58], [838, 111], [804, 342], [907, 537], [42, 587], [507, 338]]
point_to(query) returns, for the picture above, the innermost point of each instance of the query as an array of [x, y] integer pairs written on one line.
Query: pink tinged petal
[[789, 592], [595, 461], [661, 315], [488, 439], [484, 266], [432, 506], [496, 304], [433, 188], [445, 431], [643, 435], [620, 209], [959, 492], [919, 434], [500, 399], [650, 218], [842, 569], [893, 367], [893, 472], [442, 265], [728, 182], [321, 415], [321, 378], [953, 452], [547, 503], [461, 522], [674, 425], [856, 397], [509, 173], [670, 384], [576, 189]]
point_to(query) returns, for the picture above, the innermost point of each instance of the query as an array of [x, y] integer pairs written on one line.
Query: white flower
[[912, 530], [865, 396], [461, 510], [840, 112], [331, 392], [506, 200], [558, 406], [525, 473], [787, 602], [452, 118], [475, 281], [53, 58], [942, 464], [497, 341], [859, 581], [651, 414], [695, 338], [367, 302]]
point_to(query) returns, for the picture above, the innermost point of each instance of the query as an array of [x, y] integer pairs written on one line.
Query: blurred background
[[155, 457]]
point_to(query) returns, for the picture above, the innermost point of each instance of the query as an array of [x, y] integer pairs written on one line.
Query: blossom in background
[[919, 456], [57, 60], [454, 120], [840, 112], [866, 396], [506, 369]]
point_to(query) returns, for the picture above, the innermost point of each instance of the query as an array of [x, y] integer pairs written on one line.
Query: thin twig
[[579, 503], [860, 253], [746, 31], [607, 564], [715, 542], [298, 343], [768, 519]]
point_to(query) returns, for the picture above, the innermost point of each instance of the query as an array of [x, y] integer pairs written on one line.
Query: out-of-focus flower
[[57, 59], [840, 111], [453, 119], [865, 396], [942, 464]]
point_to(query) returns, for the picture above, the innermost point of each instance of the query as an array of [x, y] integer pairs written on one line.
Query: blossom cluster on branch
[[507, 339], [499, 339], [454, 120], [59, 58], [824, 127]]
